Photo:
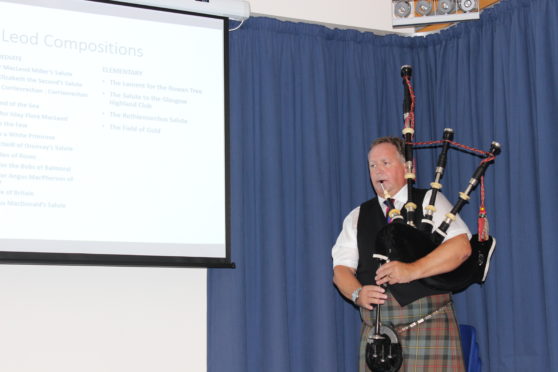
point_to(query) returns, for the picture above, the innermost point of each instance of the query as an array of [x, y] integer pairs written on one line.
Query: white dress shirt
[[345, 250]]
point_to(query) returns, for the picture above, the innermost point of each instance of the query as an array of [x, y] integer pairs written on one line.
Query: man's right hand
[[346, 281], [371, 295]]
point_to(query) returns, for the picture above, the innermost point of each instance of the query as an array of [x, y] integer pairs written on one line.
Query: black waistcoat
[[371, 220]]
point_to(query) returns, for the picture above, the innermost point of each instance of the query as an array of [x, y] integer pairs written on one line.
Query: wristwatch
[[355, 294]]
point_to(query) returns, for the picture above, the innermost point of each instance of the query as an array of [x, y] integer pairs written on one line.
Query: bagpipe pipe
[[402, 240], [405, 242]]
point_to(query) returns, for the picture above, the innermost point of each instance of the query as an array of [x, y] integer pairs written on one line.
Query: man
[[433, 344]]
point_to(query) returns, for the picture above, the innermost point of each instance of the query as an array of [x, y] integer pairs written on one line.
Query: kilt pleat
[[432, 346]]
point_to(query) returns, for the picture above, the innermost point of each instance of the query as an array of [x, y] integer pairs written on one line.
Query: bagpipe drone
[[402, 240]]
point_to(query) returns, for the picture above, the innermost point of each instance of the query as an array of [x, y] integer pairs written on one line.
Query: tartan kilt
[[434, 345]]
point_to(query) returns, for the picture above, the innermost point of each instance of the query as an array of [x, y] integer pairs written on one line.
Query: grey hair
[[395, 141]]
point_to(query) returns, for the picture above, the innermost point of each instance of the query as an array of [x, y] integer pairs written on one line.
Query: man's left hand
[[395, 272]]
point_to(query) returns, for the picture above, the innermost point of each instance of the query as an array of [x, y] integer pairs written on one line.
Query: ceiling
[[364, 15]]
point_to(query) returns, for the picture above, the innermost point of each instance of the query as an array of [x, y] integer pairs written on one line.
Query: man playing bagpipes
[[435, 343], [402, 254]]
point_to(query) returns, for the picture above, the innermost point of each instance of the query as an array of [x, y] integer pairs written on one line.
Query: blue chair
[[470, 348]]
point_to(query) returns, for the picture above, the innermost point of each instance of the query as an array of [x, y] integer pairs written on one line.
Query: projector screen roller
[[113, 134]]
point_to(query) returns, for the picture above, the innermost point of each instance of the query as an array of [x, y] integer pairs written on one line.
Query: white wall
[[101, 319], [365, 15]]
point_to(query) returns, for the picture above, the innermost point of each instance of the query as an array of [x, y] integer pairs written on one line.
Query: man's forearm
[[345, 280], [445, 258]]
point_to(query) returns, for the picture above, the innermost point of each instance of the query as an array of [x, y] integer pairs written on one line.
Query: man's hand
[[345, 280], [371, 295], [395, 272]]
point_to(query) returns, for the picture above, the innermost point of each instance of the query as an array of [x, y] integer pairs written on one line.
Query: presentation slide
[[112, 130]]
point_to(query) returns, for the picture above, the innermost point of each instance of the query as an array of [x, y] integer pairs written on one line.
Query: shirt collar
[[400, 197]]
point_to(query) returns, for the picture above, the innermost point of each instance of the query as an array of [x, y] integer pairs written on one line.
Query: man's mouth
[[386, 193]]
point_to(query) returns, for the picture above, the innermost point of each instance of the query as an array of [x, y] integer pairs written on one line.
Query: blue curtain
[[306, 101]]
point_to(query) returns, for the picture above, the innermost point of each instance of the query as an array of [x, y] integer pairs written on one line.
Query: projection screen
[[113, 135]]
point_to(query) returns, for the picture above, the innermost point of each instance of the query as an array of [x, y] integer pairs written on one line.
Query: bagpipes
[[403, 241]]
